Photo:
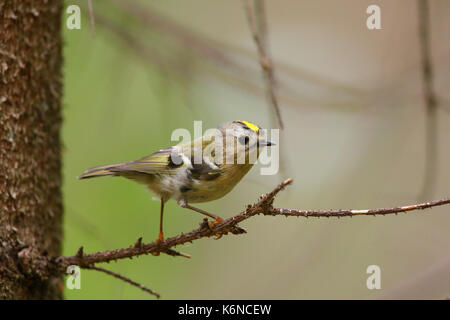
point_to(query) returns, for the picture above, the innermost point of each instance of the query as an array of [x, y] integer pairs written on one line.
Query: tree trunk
[[30, 149]]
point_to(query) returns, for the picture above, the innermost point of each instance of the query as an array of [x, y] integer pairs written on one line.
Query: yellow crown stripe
[[250, 125]]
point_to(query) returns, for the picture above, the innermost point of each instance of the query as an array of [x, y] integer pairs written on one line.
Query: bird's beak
[[265, 143]]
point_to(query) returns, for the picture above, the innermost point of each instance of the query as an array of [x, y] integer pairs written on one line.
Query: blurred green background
[[353, 108]]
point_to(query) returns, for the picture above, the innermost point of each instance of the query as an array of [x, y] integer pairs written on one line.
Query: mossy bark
[[30, 147]]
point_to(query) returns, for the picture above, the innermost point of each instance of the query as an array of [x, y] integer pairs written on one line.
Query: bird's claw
[[212, 224]]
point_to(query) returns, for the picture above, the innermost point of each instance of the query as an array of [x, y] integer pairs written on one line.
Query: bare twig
[[430, 101], [257, 22], [261, 23], [355, 212], [230, 225], [91, 17], [174, 253], [128, 280]]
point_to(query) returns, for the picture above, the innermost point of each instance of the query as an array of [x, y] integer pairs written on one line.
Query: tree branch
[[257, 22], [128, 280], [91, 17], [355, 212], [430, 101], [30, 262], [230, 225]]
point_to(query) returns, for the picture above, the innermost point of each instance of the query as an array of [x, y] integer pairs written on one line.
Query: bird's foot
[[158, 241], [212, 224]]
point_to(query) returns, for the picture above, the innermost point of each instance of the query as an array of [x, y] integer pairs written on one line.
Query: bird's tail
[[100, 171]]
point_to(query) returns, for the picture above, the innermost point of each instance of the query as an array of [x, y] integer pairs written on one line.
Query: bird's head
[[243, 136]]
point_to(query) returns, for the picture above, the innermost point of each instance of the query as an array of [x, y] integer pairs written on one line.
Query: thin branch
[[128, 280], [258, 27], [91, 17], [355, 212], [230, 225], [261, 23], [430, 101]]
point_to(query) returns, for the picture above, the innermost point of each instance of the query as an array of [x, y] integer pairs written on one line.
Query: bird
[[201, 170]]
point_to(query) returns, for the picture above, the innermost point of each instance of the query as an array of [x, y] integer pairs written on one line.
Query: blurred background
[[357, 135]]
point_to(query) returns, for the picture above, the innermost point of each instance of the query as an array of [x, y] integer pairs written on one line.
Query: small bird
[[201, 170]]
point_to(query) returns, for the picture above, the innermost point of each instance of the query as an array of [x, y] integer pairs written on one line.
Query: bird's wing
[[164, 161], [206, 168], [170, 160]]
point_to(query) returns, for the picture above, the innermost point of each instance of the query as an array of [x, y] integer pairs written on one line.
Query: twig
[[261, 23], [430, 101], [257, 23], [230, 225], [128, 280], [355, 212], [91, 17], [174, 253]]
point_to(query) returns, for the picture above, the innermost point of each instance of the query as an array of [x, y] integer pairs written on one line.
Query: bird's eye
[[244, 140]]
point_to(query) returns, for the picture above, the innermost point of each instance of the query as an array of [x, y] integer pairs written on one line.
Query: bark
[[30, 165]]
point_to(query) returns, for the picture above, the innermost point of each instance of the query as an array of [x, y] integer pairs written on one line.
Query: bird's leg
[[183, 204], [161, 233]]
